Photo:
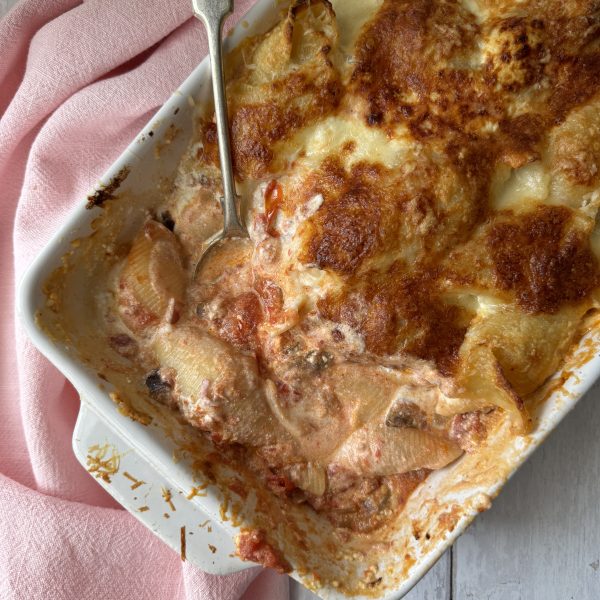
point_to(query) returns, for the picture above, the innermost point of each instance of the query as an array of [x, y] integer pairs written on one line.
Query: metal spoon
[[213, 14]]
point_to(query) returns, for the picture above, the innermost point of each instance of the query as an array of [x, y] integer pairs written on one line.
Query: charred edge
[[167, 220], [183, 543], [107, 192], [156, 385]]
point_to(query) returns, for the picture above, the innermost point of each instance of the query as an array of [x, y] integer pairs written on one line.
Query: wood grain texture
[[434, 586], [541, 538], [5, 6]]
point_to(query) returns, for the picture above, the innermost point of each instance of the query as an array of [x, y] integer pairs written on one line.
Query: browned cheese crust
[[421, 198]]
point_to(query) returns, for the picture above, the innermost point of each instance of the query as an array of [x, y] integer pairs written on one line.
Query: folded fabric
[[77, 82]]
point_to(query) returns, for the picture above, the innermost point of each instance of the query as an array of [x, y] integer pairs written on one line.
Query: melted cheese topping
[[420, 180]]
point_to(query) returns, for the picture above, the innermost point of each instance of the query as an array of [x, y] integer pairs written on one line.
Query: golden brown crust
[[546, 263], [398, 312], [256, 128], [422, 217], [298, 86], [349, 227], [413, 66]]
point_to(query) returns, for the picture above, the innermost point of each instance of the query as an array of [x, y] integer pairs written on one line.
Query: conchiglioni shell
[[166, 271], [195, 356], [482, 385], [293, 44], [152, 278], [288, 421], [313, 24], [197, 218], [528, 347], [379, 450], [347, 396], [366, 392], [217, 388]]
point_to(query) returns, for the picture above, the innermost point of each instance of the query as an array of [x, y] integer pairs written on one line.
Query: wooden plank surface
[[5, 6], [541, 538]]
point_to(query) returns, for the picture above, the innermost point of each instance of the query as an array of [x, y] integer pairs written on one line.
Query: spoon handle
[[213, 13]]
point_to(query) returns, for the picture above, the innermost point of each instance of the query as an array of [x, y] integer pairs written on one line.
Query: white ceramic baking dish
[[435, 515]]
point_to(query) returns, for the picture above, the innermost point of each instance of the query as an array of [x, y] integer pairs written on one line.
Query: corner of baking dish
[[100, 427]]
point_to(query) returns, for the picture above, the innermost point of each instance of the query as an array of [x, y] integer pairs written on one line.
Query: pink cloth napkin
[[77, 82]]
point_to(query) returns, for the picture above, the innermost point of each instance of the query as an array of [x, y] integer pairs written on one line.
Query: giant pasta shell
[[506, 355], [217, 388], [197, 218], [482, 385], [153, 278], [572, 148], [366, 392], [377, 449], [294, 43], [343, 399]]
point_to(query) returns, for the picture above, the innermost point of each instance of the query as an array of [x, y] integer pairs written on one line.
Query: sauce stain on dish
[[108, 192]]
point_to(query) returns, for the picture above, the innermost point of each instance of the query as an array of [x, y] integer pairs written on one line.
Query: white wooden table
[[541, 538], [5, 5]]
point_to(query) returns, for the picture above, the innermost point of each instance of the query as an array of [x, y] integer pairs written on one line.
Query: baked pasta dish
[[420, 181]]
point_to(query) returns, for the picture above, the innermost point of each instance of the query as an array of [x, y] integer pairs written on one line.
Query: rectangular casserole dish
[[58, 309]]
